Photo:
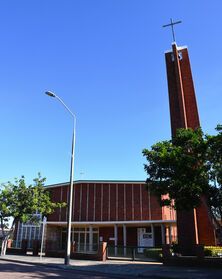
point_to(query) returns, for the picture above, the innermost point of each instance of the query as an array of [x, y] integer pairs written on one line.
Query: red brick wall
[[112, 204], [108, 202], [129, 206], [84, 202], [105, 203], [76, 202], [132, 240], [64, 199], [98, 203], [91, 201], [121, 204], [56, 197], [107, 233]]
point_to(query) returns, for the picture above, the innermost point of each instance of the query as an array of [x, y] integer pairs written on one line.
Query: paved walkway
[[132, 269]]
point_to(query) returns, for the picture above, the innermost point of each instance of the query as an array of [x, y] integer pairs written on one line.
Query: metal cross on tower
[[172, 24]]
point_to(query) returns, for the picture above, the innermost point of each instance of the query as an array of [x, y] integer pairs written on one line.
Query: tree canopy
[[215, 173], [21, 202], [182, 170]]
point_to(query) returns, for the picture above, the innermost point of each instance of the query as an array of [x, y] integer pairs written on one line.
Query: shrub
[[153, 253], [213, 251], [175, 248]]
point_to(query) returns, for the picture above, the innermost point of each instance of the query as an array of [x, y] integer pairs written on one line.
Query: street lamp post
[[70, 201]]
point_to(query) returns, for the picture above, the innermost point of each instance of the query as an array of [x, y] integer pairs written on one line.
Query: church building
[[124, 212], [121, 213]]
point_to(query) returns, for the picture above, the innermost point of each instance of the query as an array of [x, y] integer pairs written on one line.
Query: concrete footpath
[[125, 268]]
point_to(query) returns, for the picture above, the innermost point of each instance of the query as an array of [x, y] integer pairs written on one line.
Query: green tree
[[21, 202], [214, 154], [183, 170], [177, 169]]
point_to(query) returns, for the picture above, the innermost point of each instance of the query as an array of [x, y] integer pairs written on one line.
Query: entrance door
[[86, 239], [144, 238]]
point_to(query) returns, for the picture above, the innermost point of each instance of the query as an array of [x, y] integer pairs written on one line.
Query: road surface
[[9, 270]]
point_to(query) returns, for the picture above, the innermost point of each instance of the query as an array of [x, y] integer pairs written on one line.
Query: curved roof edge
[[96, 181]]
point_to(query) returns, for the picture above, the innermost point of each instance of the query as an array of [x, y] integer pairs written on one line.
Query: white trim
[[115, 222], [178, 48], [97, 181]]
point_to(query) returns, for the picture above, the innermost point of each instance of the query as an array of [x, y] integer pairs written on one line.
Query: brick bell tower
[[194, 226]]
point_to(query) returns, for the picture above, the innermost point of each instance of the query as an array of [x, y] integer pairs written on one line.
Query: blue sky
[[105, 59]]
